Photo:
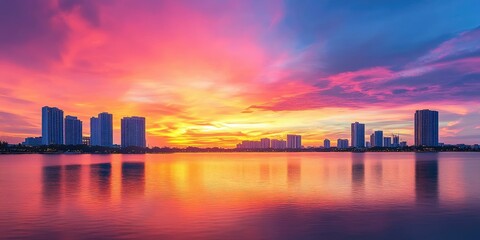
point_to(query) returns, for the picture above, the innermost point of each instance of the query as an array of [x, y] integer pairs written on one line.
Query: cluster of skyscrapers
[[293, 142], [426, 134], [59, 130], [425, 130]]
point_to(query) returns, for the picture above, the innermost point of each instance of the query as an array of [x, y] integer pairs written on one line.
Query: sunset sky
[[214, 72]]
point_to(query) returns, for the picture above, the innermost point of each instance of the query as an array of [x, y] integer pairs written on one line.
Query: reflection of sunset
[[190, 181], [202, 192]]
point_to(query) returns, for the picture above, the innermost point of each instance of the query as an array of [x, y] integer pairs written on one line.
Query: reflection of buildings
[[426, 176], [100, 175], [265, 172], [60, 181], [52, 183], [358, 171], [294, 172], [133, 178], [71, 177]]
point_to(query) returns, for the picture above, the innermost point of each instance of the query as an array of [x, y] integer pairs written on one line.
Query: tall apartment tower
[[52, 125], [133, 132], [426, 128], [342, 143], [101, 130], [94, 132], [387, 142], [294, 141], [326, 143], [265, 142], [396, 140], [358, 135], [378, 138], [278, 144], [73, 131]]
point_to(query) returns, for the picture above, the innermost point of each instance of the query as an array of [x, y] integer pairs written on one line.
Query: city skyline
[[254, 69], [68, 131]]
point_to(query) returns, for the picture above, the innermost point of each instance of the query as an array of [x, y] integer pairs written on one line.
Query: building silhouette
[[326, 143], [396, 140], [294, 141], [52, 125], [377, 139], [387, 142], [265, 143], [358, 135], [73, 131], [426, 128], [86, 141], [133, 132], [278, 144], [32, 141], [342, 143], [94, 132], [106, 129], [101, 130]]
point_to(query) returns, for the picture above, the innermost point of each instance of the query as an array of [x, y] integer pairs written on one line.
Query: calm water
[[241, 196]]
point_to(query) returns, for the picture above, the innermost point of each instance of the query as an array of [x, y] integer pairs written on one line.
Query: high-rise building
[[396, 140], [73, 131], [326, 143], [387, 142], [133, 132], [378, 138], [358, 135], [101, 130], [426, 128], [278, 144], [372, 140], [52, 125], [94, 132], [106, 129], [342, 143], [294, 141], [265, 142]]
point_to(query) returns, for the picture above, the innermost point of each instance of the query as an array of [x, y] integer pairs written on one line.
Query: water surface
[[241, 196]]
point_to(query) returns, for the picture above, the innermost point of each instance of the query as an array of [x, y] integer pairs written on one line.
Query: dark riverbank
[[79, 149]]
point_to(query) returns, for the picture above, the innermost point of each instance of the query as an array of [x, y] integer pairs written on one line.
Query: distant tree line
[[78, 149]]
